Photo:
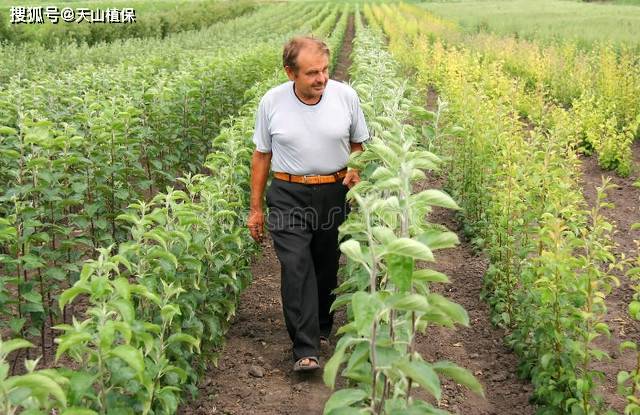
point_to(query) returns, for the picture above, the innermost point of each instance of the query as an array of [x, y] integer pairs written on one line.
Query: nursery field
[[584, 22], [490, 261]]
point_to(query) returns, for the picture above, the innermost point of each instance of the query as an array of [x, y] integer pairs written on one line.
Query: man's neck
[[306, 100]]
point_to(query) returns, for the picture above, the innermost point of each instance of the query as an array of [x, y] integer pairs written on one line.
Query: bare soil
[[343, 64], [626, 211]]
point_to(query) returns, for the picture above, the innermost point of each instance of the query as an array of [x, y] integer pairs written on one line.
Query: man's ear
[[290, 73]]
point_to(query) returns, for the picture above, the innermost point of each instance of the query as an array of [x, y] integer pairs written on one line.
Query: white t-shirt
[[309, 139]]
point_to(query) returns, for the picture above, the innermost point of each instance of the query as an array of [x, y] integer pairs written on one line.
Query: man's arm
[[260, 163], [352, 178]]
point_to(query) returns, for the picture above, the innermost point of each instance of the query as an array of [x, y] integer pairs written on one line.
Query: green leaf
[[628, 345], [80, 384], [634, 310], [169, 311], [409, 302], [423, 374], [78, 411], [131, 355], [184, 338], [351, 249], [435, 197], [4, 130], [107, 335], [459, 375], [38, 384], [87, 270], [14, 344], [341, 301], [452, 310], [16, 324], [411, 248], [32, 297], [69, 294], [364, 306], [545, 359], [429, 275], [124, 308], [166, 256], [122, 287], [602, 328], [400, 270], [383, 234], [342, 398], [386, 357], [331, 367], [56, 274], [69, 340], [436, 239]]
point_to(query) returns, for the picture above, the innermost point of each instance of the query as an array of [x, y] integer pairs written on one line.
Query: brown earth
[[626, 211], [343, 64]]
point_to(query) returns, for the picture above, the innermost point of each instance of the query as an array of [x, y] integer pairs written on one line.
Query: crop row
[[71, 164], [148, 23], [386, 293], [601, 85], [168, 54], [159, 304], [551, 258]]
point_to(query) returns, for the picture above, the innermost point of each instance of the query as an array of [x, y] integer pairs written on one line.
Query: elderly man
[[305, 130]]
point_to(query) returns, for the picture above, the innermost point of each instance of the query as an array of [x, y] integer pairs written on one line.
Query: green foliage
[[550, 259], [158, 303], [629, 380], [32, 391], [545, 20], [599, 86], [150, 23], [388, 301], [71, 164]]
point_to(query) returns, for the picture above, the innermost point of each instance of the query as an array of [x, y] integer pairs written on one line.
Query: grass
[[546, 19]]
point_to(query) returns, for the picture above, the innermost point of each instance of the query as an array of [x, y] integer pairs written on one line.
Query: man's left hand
[[351, 179]]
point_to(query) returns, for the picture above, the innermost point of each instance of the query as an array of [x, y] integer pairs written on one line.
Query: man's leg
[[329, 200], [292, 241]]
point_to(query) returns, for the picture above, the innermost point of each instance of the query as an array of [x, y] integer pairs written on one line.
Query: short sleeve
[[358, 131], [261, 133]]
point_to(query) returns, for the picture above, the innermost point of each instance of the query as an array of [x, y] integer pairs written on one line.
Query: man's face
[[312, 75]]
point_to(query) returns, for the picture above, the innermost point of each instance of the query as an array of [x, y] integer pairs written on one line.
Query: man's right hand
[[255, 223], [260, 163]]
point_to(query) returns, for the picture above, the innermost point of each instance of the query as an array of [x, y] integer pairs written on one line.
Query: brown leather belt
[[311, 179]]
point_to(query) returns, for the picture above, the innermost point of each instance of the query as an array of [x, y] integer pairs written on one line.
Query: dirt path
[[254, 372], [343, 64], [626, 211]]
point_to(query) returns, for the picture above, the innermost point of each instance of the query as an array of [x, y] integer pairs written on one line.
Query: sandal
[[313, 364]]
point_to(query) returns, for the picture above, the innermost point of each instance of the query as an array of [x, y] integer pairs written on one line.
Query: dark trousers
[[303, 221]]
